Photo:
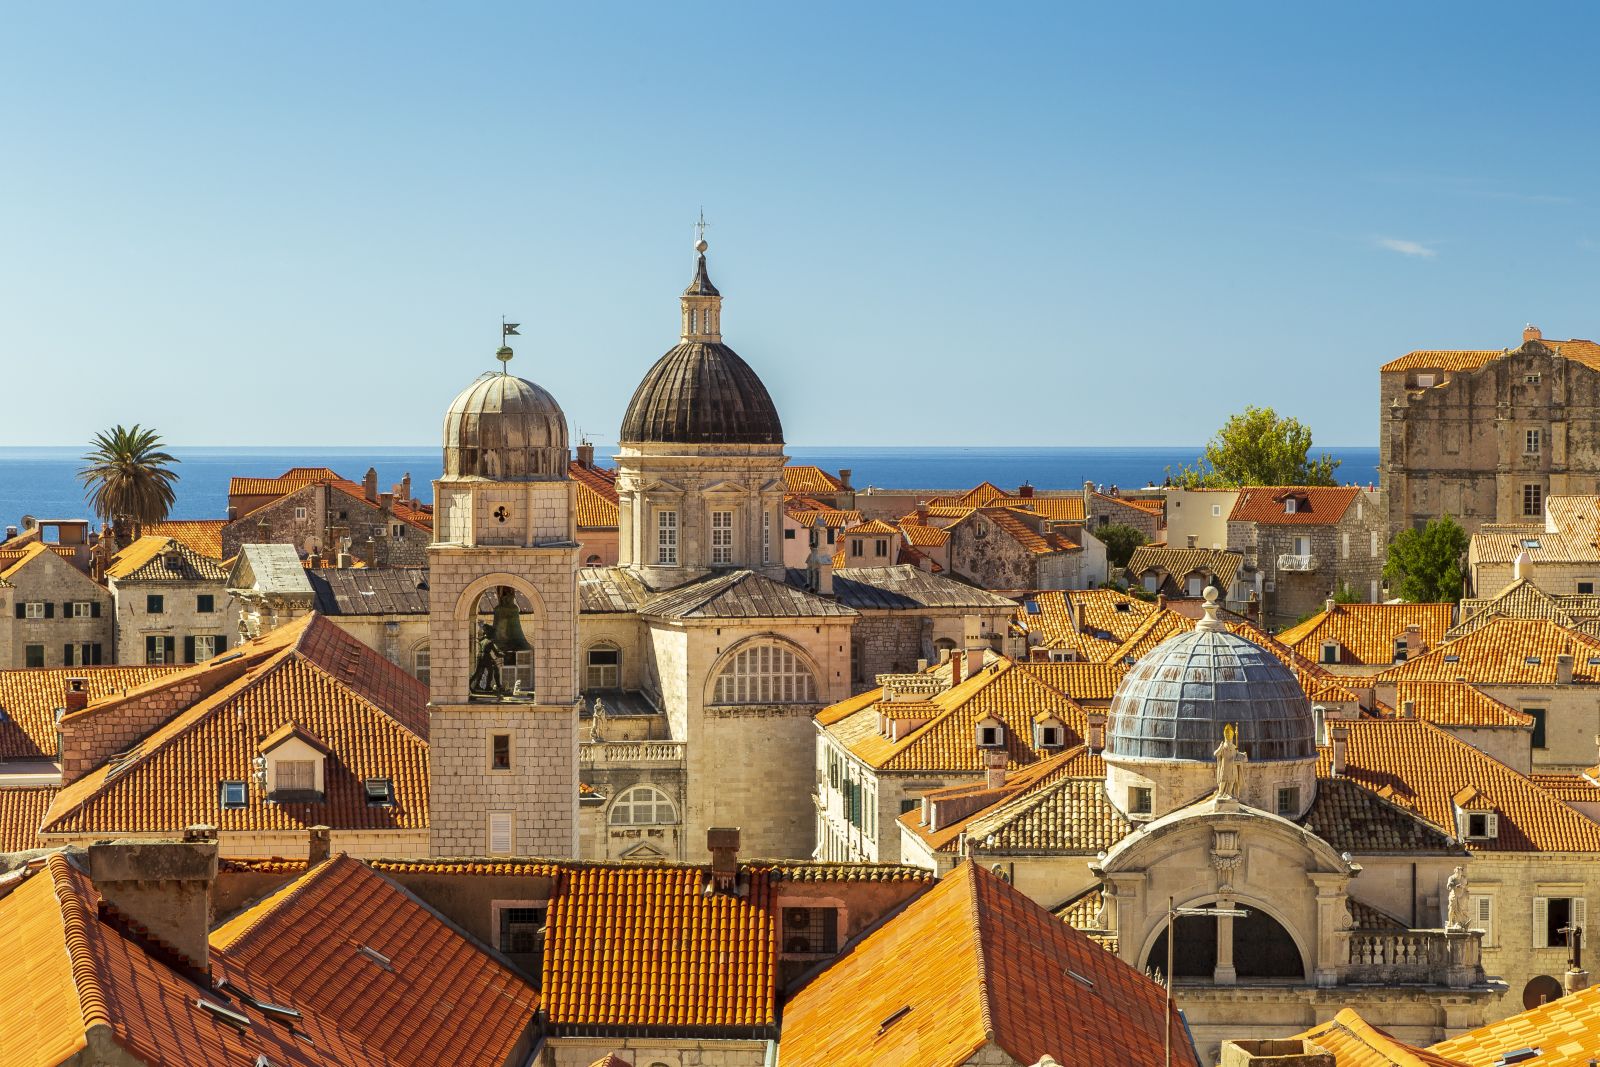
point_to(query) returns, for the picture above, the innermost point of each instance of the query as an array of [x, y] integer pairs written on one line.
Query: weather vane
[[700, 232], [507, 329]]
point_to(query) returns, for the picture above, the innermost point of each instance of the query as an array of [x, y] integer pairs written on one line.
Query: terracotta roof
[[1069, 815], [371, 714], [809, 480], [1315, 505], [1355, 1042], [919, 535], [977, 799], [807, 512], [11, 563], [1568, 787], [1082, 913], [290, 480], [611, 1059], [1366, 917], [1504, 651], [595, 510], [1182, 562], [1151, 505], [21, 812], [971, 963], [1567, 1031], [1451, 359], [1054, 508], [874, 526], [1039, 542], [1421, 768], [948, 740], [1458, 704], [1352, 818], [1503, 542], [647, 946], [314, 939], [1524, 600], [30, 697], [1108, 616], [202, 535], [1079, 681], [163, 559], [1366, 633]]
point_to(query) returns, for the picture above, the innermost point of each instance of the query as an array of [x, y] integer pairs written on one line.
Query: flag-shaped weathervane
[[509, 329]]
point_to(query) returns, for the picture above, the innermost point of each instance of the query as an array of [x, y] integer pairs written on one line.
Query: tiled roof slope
[[1108, 616], [979, 799], [904, 588], [1505, 652], [1037, 542], [1567, 1031], [1317, 505], [1568, 787], [307, 940], [809, 480], [740, 594], [1366, 633], [202, 535], [1524, 600], [290, 480], [920, 535], [1081, 681], [1469, 359], [1082, 913], [1421, 767], [1181, 562], [1352, 818], [21, 812], [1355, 1042], [369, 713], [971, 963], [29, 699], [596, 510], [1069, 815], [371, 591], [647, 946], [163, 559], [1458, 704], [11, 563]]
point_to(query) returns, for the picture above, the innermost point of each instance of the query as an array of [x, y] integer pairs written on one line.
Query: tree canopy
[[1256, 447], [128, 476], [1424, 565], [1120, 540]]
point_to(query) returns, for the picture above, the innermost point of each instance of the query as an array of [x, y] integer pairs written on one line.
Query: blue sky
[[933, 224]]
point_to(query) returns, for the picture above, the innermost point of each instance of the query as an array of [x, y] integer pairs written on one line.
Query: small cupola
[[702, 303]]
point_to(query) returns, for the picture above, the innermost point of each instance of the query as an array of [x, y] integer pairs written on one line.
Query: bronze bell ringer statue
[[496, 641]]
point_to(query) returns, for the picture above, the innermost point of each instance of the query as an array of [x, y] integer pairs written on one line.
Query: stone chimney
[[956, 659], [1531, 332], [369, 485], [723, 844], [1408, 709], [1330, 605], [1025, 491], [386, 500], [1161, 602], [405, 488], [994, 768], [162, 889], [974, 643], [586, 456], [1522, 567], [844, 477], [76, 698], [1564, 668], [319, 847], [11, 531], [1339, 734], [922, 512], [1076, 605], [1415, 645], [1096, 719]]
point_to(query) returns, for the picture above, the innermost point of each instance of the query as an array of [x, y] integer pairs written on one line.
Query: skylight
[[233, 795], [233, 1018], [1530, 542], [1533, 661], [380, 792], [376, 957], [1452, 658]]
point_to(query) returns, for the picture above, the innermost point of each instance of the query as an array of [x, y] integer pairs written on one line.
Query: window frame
[[205, 603], [1532, 499], [610, 674], [1531, 442], [226, 786], [494, 823], [155, 604], [666, 537], [765, 672], [1290, 793], [370, 794], [626, 804], [1141, 800], [33, 609], [721, 537], [1539, 739]]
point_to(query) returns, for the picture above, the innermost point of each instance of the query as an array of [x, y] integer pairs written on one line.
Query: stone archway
[[1263, 947]]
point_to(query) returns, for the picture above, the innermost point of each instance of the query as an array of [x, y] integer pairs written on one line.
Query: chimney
[[994, 768], [320, 846], [1077, 614], [1193, 539], [314, 560], [1330, 605], [1161, 602], [1531, 332], [76, 697], [1564, 668], [976, 646], [1025, 491], [723, 844], [1096, 719], [1522, 567], [405, 486], [1408, 709], [922, 512], [233, 513], [344, 561], [586, 456], [1415, 646], [956, 659], [11, 531], [844, 477], [369, 485], [1252, 607], [163, 888], [1340, 734], [386, 499]]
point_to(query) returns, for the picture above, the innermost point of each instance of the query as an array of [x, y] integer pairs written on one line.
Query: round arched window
[[643, 805], [765, 674]]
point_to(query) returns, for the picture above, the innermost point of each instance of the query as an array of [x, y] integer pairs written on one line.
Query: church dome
[[505, 427], [1175, 701], [701, 392]]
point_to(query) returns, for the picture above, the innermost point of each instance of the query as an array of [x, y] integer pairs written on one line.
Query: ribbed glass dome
[[1175, 701]]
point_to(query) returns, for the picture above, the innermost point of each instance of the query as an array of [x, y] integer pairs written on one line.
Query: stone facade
[[188, 610], [320, 518], [1298, 566], [71, 617], [983, 552]]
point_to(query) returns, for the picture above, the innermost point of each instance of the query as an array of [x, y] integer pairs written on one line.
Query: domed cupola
[[505, 428], [701, 392], [1170, 712]]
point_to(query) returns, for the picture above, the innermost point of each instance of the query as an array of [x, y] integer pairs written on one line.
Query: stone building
[[1007, 549], [1303, 543], [1557, 553], [51, 613], [384, 607], [324, 518], [1185, 572], [1198, 518], [1489, 435], [172, 603]]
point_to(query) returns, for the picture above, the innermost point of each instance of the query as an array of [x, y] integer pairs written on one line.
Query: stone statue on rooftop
[[1458, 909], [1229, 760]]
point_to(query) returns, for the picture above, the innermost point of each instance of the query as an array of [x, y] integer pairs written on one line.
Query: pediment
[[727, 486], [644, 850], [661, 485]]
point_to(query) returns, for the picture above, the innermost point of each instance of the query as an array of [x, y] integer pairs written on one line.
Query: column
[[1224, 973]]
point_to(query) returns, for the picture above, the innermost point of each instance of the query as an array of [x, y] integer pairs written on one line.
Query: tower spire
[[702, 303]]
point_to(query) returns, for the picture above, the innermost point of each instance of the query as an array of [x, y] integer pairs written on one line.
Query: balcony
[[1450, 958], [629, 753], [1303, 564]]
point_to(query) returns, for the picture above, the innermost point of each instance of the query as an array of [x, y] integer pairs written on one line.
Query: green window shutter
[[49, 609], [221, 643], [188, 649], [150, 649], [94, 609]]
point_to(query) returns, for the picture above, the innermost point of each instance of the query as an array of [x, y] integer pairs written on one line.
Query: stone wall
[[540, 792], [313, 518], [1351, 552], [53, 581], [180, 615]]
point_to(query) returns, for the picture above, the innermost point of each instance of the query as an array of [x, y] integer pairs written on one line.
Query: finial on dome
[[1211, 624], [700, 233], [504, 354]]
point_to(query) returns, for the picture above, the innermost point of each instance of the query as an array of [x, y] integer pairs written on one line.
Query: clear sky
[[932, 223]]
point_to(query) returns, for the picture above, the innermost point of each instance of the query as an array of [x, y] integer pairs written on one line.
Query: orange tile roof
[[1451, 359], [1152, 505], [1524, 600], [970, 964], [1458, 704], [371, 714], [1354, 1042], [920, 535], [873, 526], [1182, 562], [1366, 633], [202, 535], [141, 561], [1568, 787], [809, 480], [1316, 505], [306, 940], [1054, 508], [44, 1022], [21, 812], [290, 480], [29, 699], [1419, 766], [1504, 652], [1079, 681], [1037, 542], [1567, 1031], [1027, 783], [981, 495], [596, 510], [1108, 616], [646, 946], [11, 563], [807, 512]]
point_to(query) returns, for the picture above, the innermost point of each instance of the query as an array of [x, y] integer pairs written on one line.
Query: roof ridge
[[985, 987], [268, 905], [93, 1003]]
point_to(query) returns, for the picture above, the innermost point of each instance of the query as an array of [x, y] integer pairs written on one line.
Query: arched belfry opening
[[1263, 949], [504, 667]]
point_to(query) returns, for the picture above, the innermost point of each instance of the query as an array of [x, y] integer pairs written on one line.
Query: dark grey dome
[[505, 427], [1175, 701], [701, 392]]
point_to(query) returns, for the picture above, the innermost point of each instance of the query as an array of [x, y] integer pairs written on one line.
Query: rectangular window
[[810, 931], [500, 752], [205, 647], [1530, 379], [300, 514], [84, 654], [1478, 824], [1483, 917], [856, 547], [1374, 549], [766, 537], [1288, 505], [1330, 652], [1344, 546], [788, 535], [296, 775], [1585, 588], [379, 791], [1302, 546], [80, 609], [205, 603], [500, 837], [158, 649], [721, 538], [881, 548], [522, 930], [1139, 800], [423, 671], [605, 669], [667, 538], [33, 609], [233, 795], [1552, 916], [155, 604], [33, 656], [1538, 725], [1531, 443], [1216, 511], [909, 805], [1288, 800], [1533, 499]]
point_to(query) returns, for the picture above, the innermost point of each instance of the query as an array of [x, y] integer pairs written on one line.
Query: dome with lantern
[[505, 428]]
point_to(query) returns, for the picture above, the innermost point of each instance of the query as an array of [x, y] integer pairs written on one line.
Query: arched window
[[592, 561], [420, 663], [603, 667], [766, 674], [643, 805]]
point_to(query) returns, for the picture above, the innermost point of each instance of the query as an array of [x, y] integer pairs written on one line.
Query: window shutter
[[22, 610], [66, 609], [150, 649], [1541, 921], [500, 834], [66, 655], [188, 649], [1491, 826], [94, 609], [96, 650], [172, 648], [1580, 908], [49, 609], [220, 643]]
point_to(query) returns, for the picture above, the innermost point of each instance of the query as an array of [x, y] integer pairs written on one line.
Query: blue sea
[[41, 481]]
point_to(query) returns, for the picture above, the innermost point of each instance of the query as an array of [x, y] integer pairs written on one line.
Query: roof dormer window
[[990, 732], [292, 760], [1288, 505], [1330, 652], [1049, 732], [1476, 818]]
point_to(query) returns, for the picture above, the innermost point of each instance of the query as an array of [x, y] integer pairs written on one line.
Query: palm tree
[[128, 477]]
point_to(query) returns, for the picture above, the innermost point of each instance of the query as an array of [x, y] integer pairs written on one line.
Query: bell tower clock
[[503, 625]]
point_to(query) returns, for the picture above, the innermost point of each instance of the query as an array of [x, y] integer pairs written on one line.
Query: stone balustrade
[[1292, 562], [1451, 958], [629, 753]]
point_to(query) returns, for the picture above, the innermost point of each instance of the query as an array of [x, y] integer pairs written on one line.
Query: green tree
[[1346, 595], [128, 476], [1256, 447], [1120, 540], [1424, 565]]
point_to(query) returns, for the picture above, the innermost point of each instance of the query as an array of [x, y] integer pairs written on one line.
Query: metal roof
[[904, 588], [371, 591], [740, 594]]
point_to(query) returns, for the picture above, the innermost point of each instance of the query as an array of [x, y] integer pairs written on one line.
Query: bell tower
[[503, 626]]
